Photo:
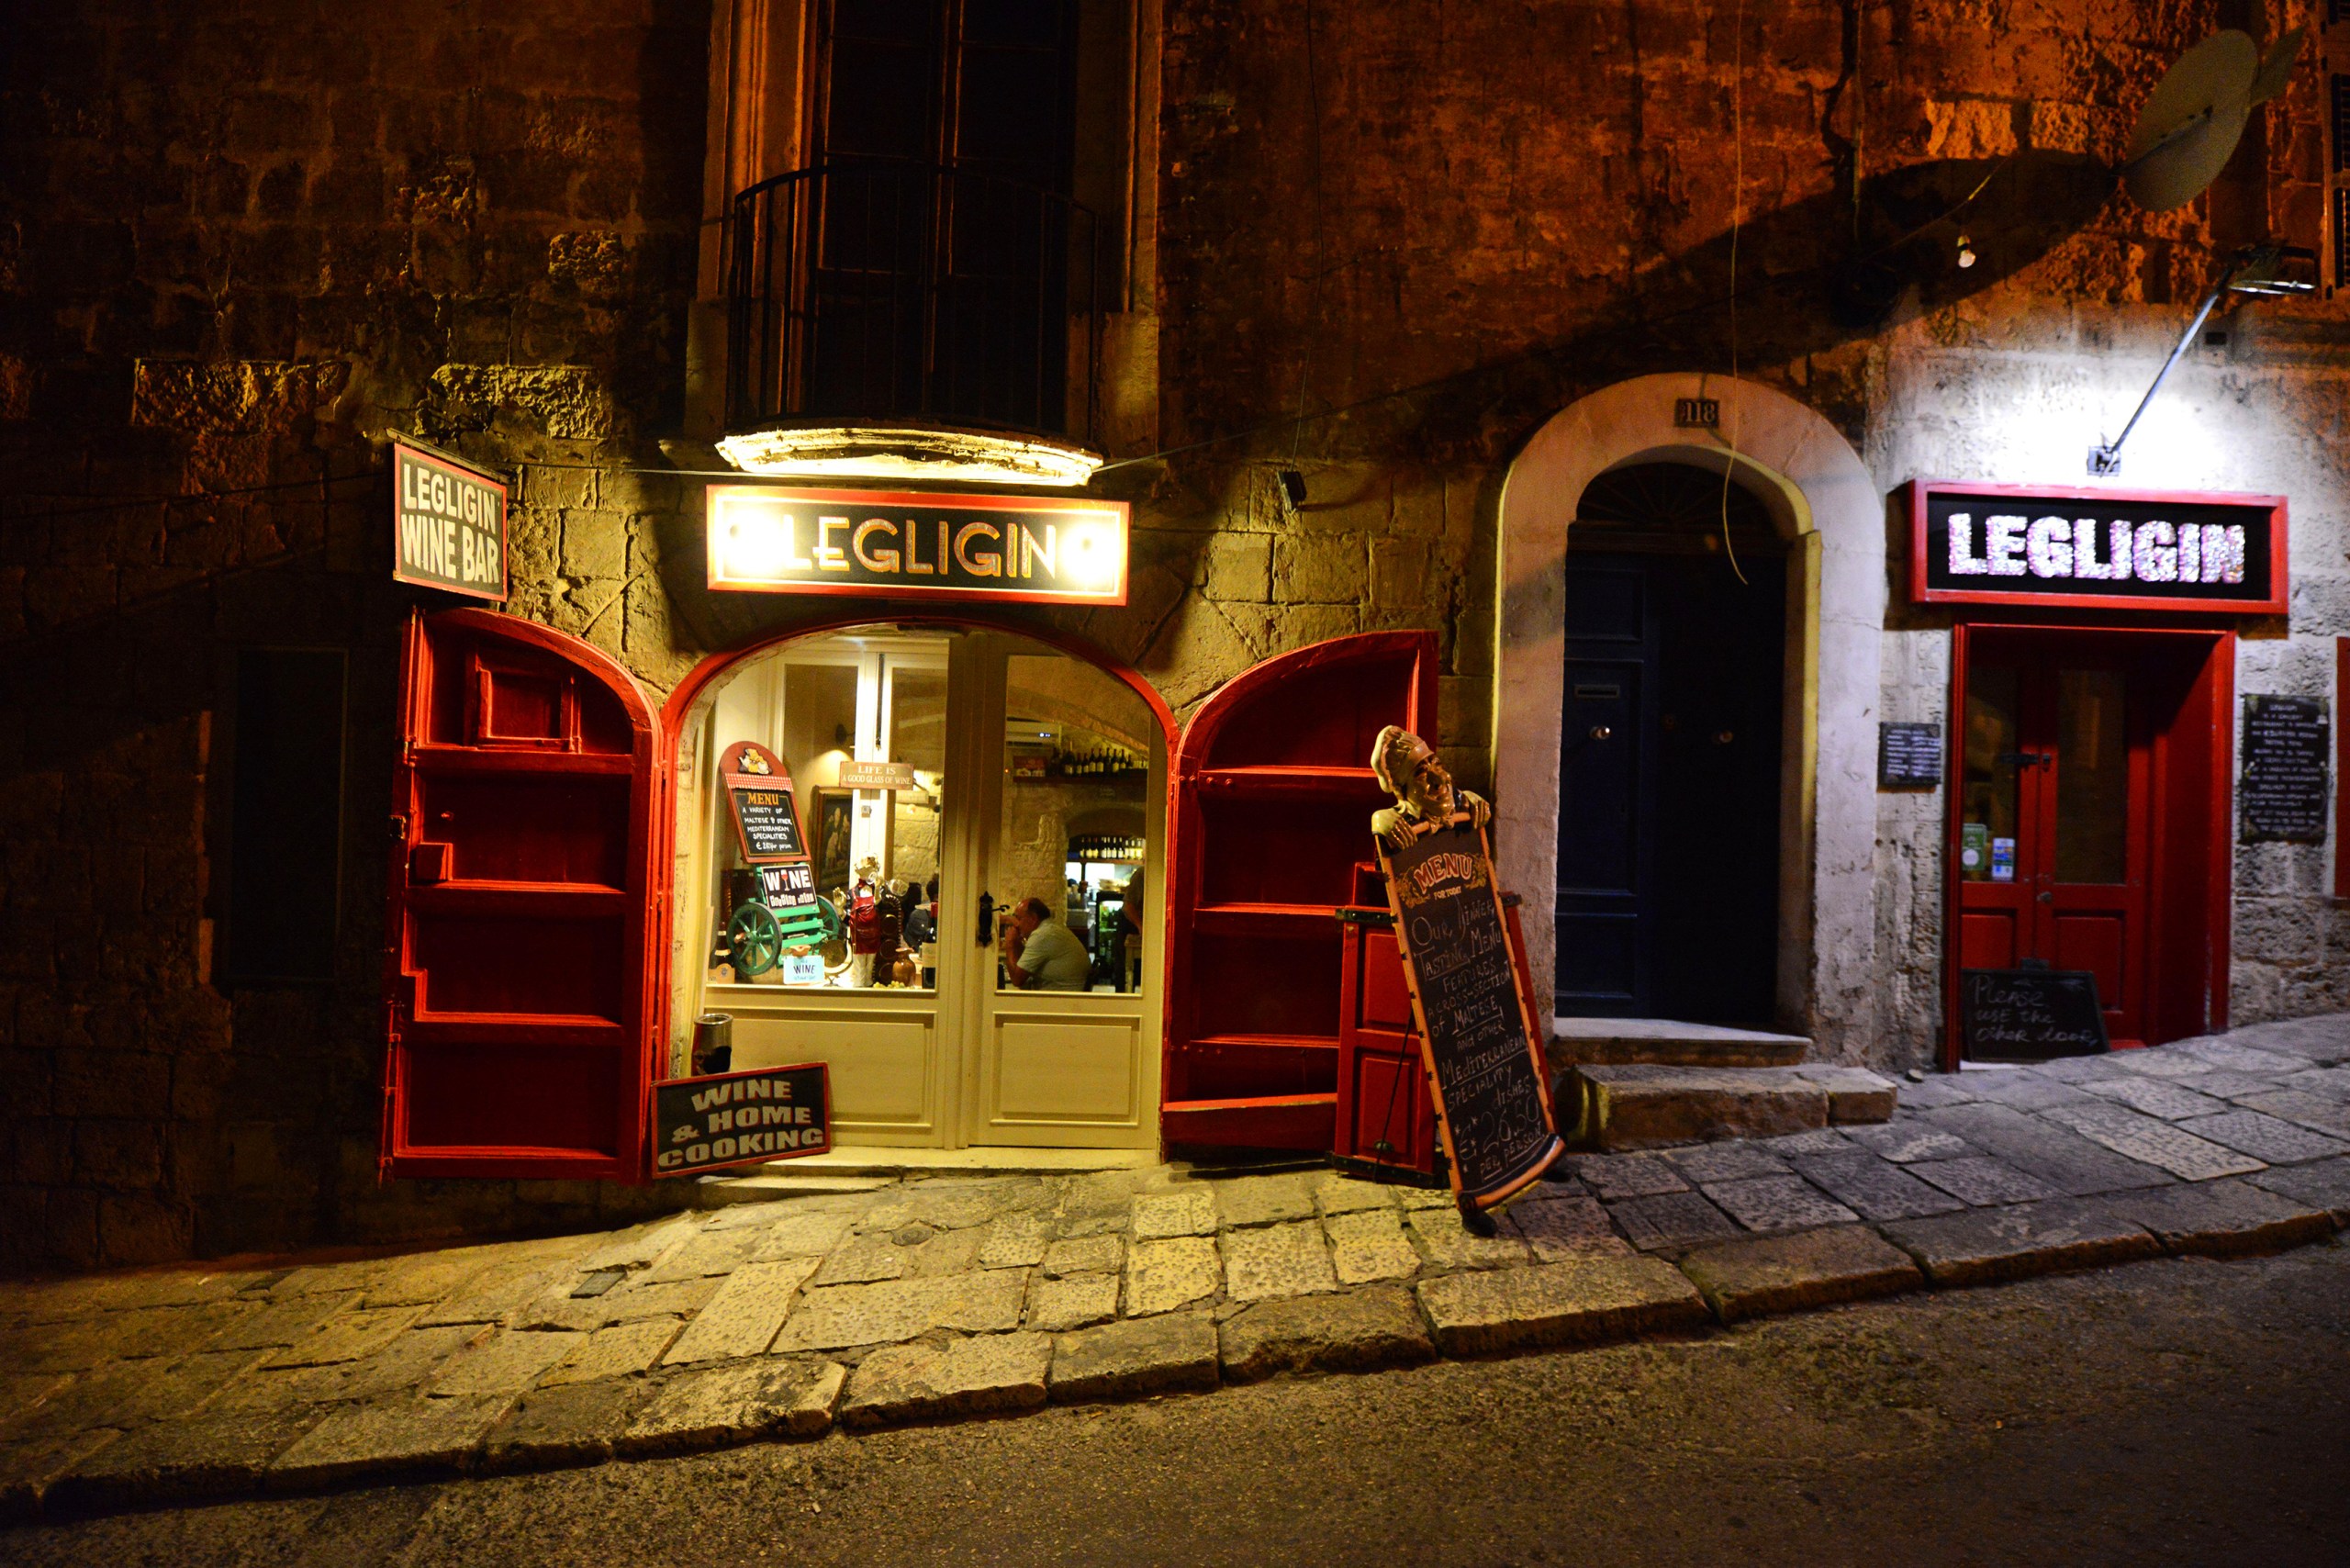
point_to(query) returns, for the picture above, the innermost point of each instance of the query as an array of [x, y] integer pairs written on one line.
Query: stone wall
[[239, 242]]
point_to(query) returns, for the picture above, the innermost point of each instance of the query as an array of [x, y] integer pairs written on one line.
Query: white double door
[[965, 1061]]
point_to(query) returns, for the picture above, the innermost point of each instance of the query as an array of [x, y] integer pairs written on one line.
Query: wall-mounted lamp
[[1293, 488], [2261, 271]]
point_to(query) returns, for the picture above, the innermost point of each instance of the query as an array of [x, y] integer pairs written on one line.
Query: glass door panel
[[1067, 1057], [858, 999], [2092, 778], [1988, 806]]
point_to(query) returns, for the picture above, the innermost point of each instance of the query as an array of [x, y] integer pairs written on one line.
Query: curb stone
[[398, 1435], [1986, 1246], [2323, 1184], [1377, 1327], [982, 1375], [177, 1462], [1812, 1268], [734, 1402], [568, 1424], [2222, 1219], [1137, 1357], [1559, 1303]]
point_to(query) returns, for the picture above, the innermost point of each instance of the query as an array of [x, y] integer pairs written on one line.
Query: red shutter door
[[521, 883], [1273, 796]]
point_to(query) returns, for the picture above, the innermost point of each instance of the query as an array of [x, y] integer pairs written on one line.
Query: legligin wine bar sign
[[2096, 548]]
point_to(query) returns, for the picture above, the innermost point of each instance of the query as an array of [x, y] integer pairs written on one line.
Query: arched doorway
[[1822, 500], [1669, 750], [1011, 769]]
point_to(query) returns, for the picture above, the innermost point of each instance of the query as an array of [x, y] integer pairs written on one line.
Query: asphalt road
[[2181, 1411]]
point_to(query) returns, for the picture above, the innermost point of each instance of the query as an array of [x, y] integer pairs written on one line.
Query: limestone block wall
[[241, 240], [2019, 399]]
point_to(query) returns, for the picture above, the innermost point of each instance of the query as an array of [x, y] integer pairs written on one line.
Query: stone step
[[1664, 1042], [1653, 1105]]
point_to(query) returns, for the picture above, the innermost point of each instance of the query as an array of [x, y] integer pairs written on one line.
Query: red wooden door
[[1272, 799], [2054, 808], [521, 889]]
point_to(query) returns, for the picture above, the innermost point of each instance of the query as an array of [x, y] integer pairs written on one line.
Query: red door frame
[[1302, 1120], [699, 678], [646, 885], [2188, 980]]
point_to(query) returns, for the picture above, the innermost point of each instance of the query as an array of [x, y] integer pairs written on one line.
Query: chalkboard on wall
[[2281, 797], [2030, 1014], [1484, 1063], [1908, 756]]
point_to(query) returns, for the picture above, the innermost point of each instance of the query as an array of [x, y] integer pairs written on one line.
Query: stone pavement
[[924, 1300]]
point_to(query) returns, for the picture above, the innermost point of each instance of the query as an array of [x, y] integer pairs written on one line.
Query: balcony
[[906, 320]]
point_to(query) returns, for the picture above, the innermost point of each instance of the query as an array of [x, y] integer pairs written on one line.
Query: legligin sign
[[2096, 548], [448, 523], [895, 544]]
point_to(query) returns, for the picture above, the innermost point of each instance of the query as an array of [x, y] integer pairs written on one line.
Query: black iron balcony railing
[[882, 290]]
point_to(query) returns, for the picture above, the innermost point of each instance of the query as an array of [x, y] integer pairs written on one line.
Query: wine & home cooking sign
[[885, 544], [2103, 549]]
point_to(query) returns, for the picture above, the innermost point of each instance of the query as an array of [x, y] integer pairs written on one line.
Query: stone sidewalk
[[935, 1299]]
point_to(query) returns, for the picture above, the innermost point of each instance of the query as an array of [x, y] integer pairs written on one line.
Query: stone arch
[[1822, 499]]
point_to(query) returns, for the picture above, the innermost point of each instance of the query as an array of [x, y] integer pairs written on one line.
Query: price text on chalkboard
[[740, 1119], [770, 828], [2281, 796], [2030, 1014], [1909, 756], [1484, 1063]]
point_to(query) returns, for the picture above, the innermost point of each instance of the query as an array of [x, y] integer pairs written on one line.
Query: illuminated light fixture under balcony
[[909, 453]]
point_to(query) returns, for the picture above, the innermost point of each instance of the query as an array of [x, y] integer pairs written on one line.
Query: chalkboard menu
[[1484, 1062], [2282, 797], [740, 1119], [760, 792], [770, 830], [2030, 1014], [1908, 756]]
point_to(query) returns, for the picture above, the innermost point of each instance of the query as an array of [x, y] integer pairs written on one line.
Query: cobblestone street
[[931, 1299]]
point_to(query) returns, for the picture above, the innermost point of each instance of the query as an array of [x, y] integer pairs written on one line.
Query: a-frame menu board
[[1485, 1060]]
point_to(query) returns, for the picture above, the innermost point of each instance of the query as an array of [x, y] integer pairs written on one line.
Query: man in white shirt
[[1041, 954]]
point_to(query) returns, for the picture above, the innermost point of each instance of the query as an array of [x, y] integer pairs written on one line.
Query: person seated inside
[[1042, 954]]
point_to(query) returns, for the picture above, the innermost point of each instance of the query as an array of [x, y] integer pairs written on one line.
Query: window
[[950, 226], [284, 816]]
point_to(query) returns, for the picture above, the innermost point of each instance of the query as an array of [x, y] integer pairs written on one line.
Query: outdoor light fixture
[[2261, 271], [909, 453]]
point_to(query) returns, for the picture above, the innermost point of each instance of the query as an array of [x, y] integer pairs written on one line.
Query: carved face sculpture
[[1429, 793]]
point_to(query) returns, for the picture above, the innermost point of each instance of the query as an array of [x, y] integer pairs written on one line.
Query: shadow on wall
[[1812, 277]]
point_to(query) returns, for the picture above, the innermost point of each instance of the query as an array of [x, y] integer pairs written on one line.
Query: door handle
[[2047, 898], [987, 919], [1600, 732]]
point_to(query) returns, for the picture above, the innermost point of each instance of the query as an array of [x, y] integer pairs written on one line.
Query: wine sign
[[2281, 796], [1484, 1059], [740, 1119]]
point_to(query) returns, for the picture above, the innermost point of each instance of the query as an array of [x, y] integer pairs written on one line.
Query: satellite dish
[[2191, 122]]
